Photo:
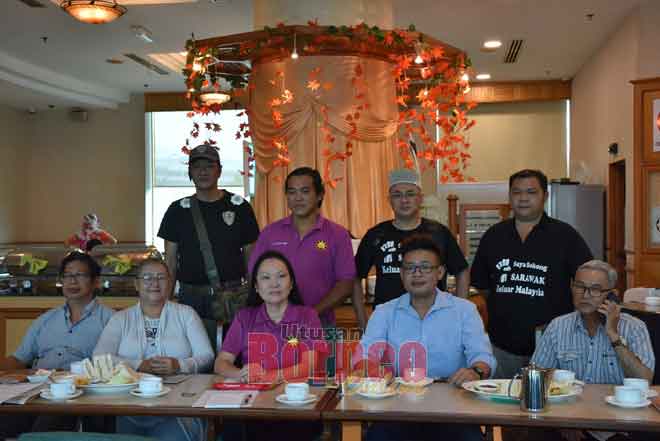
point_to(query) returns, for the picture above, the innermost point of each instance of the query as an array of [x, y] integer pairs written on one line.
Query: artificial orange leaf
[[314, 72], [275, 102], [313, 85], [287, 96], [327, 86], [358, 70], [313, 23]]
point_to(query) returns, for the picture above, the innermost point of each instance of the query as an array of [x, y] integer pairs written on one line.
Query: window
[[166, 165]]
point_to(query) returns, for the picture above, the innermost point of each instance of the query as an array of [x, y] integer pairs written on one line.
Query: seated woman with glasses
[[158, 337], [276, 337], [60, 336]]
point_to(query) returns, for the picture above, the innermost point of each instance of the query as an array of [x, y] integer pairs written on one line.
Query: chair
[[214, 331], [81, 436]]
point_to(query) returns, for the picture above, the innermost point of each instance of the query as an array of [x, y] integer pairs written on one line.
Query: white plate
[[422, 383], [107, 389], [38, 378], [502, 386], [611, 400], [375, 396], [48, 396], [138, 393], [284, 400], [652, 301]]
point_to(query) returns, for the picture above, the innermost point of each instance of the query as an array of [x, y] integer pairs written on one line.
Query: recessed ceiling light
[[492, 44], [483, 76]]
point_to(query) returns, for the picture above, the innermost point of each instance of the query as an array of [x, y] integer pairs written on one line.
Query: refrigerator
[[583, 207]]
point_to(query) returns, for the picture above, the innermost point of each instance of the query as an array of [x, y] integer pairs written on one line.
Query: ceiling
[[69, 67]]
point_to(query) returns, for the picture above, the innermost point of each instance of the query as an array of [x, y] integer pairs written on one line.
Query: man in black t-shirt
[[380, 247], [231, 226], [525, 265]]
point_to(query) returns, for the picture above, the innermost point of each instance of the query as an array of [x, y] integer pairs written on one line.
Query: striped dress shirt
[[566, 344]]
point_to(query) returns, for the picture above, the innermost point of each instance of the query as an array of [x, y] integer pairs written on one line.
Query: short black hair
[[316, 180], [254, 299], [78, 256], [425, 242], [529, 173]]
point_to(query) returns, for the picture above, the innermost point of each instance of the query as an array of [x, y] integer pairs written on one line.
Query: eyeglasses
[[594, 290], [150, 278], [424, 268], [70, 277], [408, 195]]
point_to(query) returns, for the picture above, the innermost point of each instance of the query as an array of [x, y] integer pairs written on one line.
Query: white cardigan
[[181, 335]]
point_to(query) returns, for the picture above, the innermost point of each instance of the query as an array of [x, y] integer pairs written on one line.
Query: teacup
[[62, 389], [150, 385], [563, 376], [296, 391], [639, 383], [628, 395]]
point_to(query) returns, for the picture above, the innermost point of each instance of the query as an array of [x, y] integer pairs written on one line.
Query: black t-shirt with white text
[[380, 247], [230, 224], [528, 282]]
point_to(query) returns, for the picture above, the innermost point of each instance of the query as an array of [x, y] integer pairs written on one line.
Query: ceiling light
[[418, 50], [465, 77], [483, 76], [93, 11], [294, 54], [419, 59], [211, 98], [492, 44]]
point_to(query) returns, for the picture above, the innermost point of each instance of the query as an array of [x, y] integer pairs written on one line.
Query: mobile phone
[[612, 297]]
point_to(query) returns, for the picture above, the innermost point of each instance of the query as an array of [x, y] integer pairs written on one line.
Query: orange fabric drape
[[360, 199]]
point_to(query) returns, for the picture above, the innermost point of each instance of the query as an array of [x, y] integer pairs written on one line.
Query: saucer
[[37, 378], [422, 383], [137, 393], [611, 400], [48, 396], [651, 393], [284, 400]]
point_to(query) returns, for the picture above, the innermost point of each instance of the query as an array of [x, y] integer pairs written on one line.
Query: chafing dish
[[33, 269]]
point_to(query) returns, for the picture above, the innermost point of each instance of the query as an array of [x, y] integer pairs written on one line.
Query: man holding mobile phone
[[597, 341]]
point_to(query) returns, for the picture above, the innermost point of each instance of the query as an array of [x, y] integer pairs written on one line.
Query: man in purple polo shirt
[[319, 250]]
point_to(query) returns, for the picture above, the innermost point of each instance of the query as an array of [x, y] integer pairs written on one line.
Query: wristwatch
[[620, 342], [479, 372]]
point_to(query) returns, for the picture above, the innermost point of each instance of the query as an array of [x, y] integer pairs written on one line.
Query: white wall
[[80, 167], [508, 137], [13, 144], [602, 110]]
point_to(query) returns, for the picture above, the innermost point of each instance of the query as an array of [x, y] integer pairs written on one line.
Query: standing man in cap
[[231, 229], [380, 247]]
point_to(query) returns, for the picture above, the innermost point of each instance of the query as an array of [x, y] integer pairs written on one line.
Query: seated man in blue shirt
[[597, 341], [447, 331], [60, 336]]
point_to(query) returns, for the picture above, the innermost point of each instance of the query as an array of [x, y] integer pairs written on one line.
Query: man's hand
[[612, 313], [463, 375], [164, 365]]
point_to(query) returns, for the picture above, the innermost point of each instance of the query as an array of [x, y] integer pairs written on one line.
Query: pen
[[246, 400]]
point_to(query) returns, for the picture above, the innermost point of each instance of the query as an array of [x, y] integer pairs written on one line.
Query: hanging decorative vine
[[431, 87]]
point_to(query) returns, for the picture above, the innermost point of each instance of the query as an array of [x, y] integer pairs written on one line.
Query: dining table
[[179, 401], [445, 403]]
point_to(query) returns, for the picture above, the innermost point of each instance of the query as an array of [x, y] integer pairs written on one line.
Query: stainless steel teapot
[[534, 386]]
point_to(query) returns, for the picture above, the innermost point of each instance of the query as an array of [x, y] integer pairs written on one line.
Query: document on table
[[18, 393], [218, 399]]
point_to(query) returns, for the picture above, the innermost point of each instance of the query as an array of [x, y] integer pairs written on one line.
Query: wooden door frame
[[616, 218]]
